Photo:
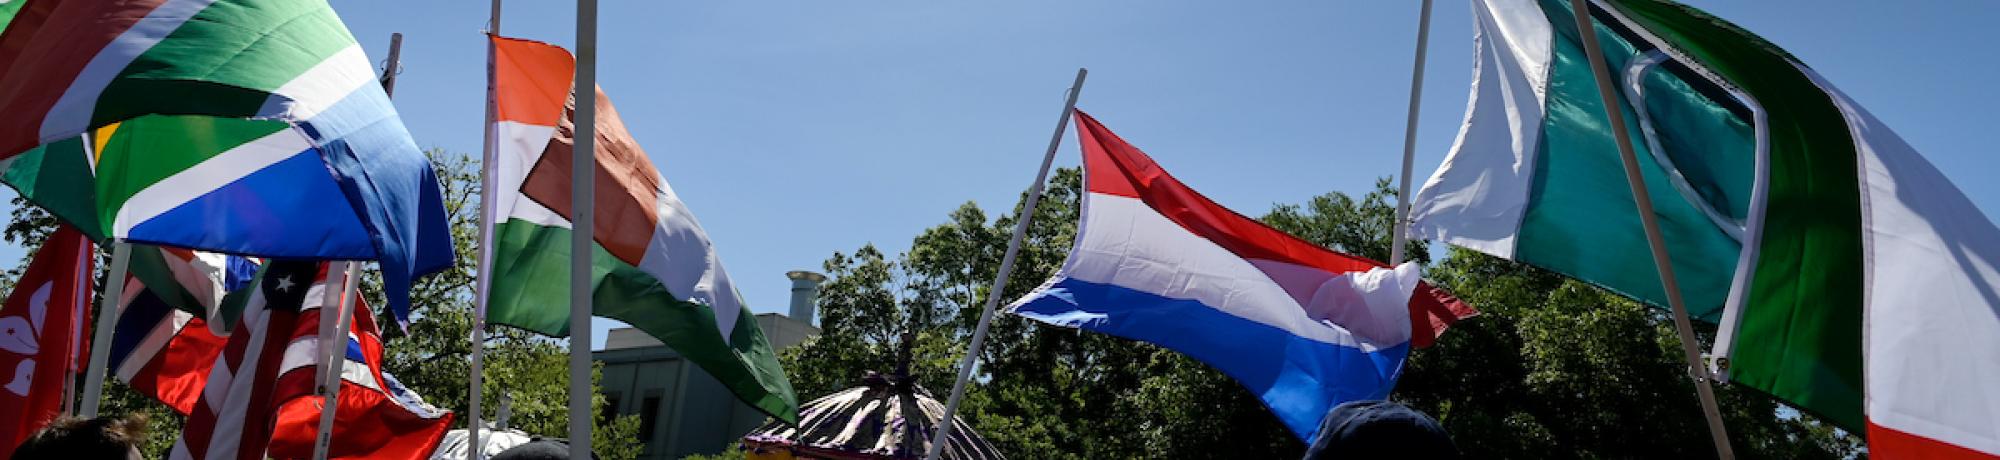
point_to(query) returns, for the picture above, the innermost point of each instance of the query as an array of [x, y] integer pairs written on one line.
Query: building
[[681, 409]]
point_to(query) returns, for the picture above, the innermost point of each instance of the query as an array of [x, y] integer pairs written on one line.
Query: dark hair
[[79, 438]]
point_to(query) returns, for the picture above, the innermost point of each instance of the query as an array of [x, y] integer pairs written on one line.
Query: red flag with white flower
[[38, 331]]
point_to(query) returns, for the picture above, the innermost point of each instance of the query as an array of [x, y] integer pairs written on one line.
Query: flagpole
[[107, 319], [1657, 241], [78, 309], [966, 365], [583, 164], [333, 328], [1401, 228], [333, 346], [475, 383]]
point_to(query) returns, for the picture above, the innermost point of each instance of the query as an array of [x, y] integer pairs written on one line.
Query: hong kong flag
[[40, 337]]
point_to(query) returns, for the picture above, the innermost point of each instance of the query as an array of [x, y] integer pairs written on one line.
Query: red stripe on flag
[[1888, 443], [1115, 167], [46, 48]]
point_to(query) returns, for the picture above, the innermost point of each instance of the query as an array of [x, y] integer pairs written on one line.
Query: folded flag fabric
[[40, 335], [377, 417], [1303, 327], [654, 266], [1848, 275], [165, 351], [235, 416], [215, 125]]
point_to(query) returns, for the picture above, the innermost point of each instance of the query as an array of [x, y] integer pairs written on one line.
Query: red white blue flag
[[1303, 327]]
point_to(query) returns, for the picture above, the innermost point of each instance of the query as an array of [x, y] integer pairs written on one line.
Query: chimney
[[805, 294]]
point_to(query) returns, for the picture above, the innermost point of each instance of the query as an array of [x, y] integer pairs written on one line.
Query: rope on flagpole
[[1644, 203], [965, 366]]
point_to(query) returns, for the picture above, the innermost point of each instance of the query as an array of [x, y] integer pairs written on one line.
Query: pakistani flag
[[1849, 277], [653, 265]]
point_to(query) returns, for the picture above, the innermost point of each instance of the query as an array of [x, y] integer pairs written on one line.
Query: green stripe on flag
[[8, 8], [145, 150], [530, 290], [56, 177], [226, 60], [1799, 334], [1581, 219]]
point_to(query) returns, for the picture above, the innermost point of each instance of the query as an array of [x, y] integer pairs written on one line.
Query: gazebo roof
[[887, 417]]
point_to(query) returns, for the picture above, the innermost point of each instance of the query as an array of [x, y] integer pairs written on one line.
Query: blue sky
[[796, 128]]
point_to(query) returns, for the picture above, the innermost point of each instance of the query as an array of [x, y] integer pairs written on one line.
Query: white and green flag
[[653, 265], [1849, 276]]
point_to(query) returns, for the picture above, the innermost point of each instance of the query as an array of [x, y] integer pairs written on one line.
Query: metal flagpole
[[971, 360], [333, 328], [583, 161], [333, 345], [107, 319], [1401, 227], [1644, 202], [476, 382]]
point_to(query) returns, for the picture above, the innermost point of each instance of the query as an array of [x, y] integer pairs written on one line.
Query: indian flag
[[241, 126], [1848, 275], [653, 265]]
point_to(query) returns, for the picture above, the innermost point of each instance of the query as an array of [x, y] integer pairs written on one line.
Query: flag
[[1849, 277], [38, 329], [1302, 327], [234, 417], [163, 351], [377, 419], [654, 267], [184, 123], [7, 11]]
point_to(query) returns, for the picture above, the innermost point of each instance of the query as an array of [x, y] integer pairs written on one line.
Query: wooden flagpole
[[1644, 202], [965, 366], [476, 381], [583, 164], [1399, 238]]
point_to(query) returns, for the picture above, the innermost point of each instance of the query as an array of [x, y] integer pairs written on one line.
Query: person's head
[[68, 438], [1380, 429]]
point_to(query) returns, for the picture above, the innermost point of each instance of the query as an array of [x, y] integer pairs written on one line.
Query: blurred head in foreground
[[69, 438]]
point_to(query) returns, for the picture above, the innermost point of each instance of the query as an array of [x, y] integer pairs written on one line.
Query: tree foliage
[[1552, 367]]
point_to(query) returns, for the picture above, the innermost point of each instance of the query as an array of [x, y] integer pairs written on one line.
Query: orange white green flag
[[653, 265]]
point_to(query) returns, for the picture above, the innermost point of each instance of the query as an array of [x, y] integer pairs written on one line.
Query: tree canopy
[[1551, 368]]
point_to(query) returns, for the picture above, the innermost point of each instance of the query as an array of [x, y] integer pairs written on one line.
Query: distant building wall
[[682, 410]]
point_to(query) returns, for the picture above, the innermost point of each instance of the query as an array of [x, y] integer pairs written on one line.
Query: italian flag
[[653, 265], [1848, 276]]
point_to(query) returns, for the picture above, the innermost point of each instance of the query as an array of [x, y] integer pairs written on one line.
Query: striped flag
[[235, 416], [1302, 327], [655, 267], [165, 351], [1848, 275], [377, 418], [185, 123]]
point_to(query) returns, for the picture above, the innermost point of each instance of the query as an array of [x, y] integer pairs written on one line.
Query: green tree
[[432, 357], [1552, 367]]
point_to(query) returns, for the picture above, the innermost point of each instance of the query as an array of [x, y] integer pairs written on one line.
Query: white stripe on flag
[[207, 176], [320, 87], [71, 114]]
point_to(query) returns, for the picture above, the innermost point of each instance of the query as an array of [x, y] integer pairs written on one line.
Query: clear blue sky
[[796, 128]]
